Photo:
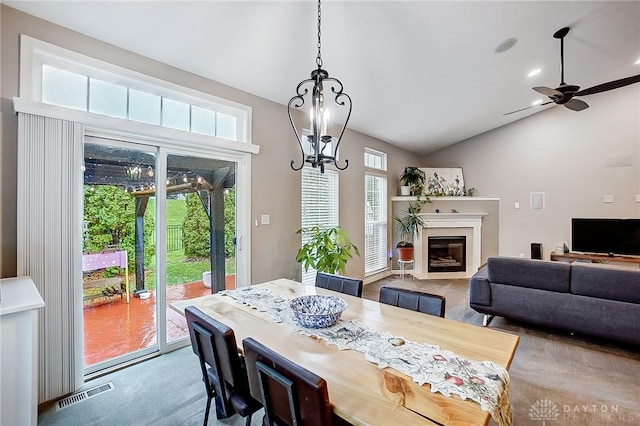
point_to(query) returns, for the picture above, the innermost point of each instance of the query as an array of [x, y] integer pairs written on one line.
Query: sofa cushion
[[540, 274], [531, 305], [610, 319], [605, 282]]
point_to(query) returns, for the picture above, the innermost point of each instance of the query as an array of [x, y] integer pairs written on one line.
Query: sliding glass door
[[159, 226], [200, 233], [118, 250]]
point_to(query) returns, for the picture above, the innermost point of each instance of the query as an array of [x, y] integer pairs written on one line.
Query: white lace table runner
[[483, 382]]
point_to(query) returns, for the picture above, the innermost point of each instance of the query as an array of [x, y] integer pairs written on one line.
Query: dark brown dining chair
[[223, 371], [291, 395], [419, 301], [345, 285]]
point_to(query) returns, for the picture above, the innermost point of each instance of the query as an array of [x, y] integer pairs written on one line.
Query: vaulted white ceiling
[[422, 74]]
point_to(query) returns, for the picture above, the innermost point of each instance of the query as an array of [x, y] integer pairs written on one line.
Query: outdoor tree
[[195, 229], [109, 221], [229, 222]]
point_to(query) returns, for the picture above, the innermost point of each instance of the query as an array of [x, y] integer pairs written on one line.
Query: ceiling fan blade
[[609, 86], [576, 105], [547, 91], [529, 107]]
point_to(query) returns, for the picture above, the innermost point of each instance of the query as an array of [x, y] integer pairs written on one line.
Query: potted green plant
[[408, 228], [328, 250], [414, 178]]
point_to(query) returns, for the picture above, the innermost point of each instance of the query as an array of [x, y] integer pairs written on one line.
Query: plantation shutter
[[375, 236], [320, 193]]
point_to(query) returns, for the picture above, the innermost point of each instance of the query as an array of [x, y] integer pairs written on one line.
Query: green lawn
[[179, 270], [175, 210]]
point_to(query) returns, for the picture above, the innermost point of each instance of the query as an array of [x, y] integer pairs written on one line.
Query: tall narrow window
[[320, 193], [375, 215]]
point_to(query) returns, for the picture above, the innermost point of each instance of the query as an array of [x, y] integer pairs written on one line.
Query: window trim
[[125, 128], [384, 203], [380, 154]]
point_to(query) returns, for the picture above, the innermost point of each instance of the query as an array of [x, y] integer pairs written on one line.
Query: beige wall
[[573, 157], [275, 187]]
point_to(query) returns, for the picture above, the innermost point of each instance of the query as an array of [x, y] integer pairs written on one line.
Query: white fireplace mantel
[[449, 220]]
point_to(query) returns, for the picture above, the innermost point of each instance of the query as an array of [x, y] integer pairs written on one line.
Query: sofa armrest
[[479, 288]]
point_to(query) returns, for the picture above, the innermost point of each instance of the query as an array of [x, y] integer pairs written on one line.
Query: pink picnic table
[[112, 259]]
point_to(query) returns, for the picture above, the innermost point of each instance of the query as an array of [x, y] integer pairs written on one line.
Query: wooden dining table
[[360, 392]]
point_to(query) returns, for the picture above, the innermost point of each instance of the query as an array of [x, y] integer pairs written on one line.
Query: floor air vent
[[81, 396]]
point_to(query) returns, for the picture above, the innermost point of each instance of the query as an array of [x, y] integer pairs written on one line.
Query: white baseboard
[[376, 277]]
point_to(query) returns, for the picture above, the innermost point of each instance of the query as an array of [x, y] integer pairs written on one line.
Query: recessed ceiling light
[[534, 72], [536, 102]]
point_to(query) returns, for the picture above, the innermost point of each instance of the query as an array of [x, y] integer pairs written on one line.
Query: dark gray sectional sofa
[[582, 298]]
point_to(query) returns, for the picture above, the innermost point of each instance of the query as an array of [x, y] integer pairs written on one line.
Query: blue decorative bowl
[[317, 310]]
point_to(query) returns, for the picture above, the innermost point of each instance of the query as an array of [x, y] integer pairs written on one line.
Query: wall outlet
[[637, 198], [607, 198], [265, 219]]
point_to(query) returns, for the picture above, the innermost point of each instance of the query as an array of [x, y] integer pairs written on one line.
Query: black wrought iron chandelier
[[322, 148]]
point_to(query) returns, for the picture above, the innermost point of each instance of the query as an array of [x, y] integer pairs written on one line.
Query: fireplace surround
[[468, 225]]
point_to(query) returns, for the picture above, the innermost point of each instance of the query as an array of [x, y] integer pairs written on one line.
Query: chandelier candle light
[[323, 146]]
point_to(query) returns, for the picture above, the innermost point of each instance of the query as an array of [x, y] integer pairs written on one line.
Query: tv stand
[[594, 258]]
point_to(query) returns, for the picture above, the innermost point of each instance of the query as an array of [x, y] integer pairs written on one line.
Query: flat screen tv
[[606, 236]]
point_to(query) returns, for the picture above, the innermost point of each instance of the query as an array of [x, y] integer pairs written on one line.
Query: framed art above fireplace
[[444, 181]]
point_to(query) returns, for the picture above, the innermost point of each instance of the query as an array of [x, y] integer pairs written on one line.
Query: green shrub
[[195, 229], [109, 220], [229, 223]]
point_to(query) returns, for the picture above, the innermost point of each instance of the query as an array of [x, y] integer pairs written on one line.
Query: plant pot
[[206, 279], [405, 253], [405, 190]]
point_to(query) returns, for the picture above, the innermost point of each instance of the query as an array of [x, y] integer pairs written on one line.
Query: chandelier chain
[[319, 57]]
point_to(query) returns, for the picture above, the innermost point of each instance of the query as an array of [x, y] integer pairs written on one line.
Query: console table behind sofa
[[593, 258]]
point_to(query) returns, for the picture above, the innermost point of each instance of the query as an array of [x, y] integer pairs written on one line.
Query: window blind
[[320, 194], [375, 235]]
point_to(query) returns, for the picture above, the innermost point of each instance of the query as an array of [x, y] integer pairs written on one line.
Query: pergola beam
[[141, 207]]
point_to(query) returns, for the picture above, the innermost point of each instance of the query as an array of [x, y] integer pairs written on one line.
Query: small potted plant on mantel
[[408, 228], [413, 180]]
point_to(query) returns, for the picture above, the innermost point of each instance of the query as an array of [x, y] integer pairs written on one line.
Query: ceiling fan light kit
[[565, 93]]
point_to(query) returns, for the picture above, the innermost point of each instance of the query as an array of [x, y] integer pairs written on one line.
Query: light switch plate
[[265, 219], [607, 198], [637, 198], [516, 205]]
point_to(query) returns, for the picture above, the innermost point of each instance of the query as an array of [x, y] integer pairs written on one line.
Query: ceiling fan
[[565, 93]]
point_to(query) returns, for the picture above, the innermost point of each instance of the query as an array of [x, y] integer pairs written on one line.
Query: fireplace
[[449, 224], [447, 254]]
